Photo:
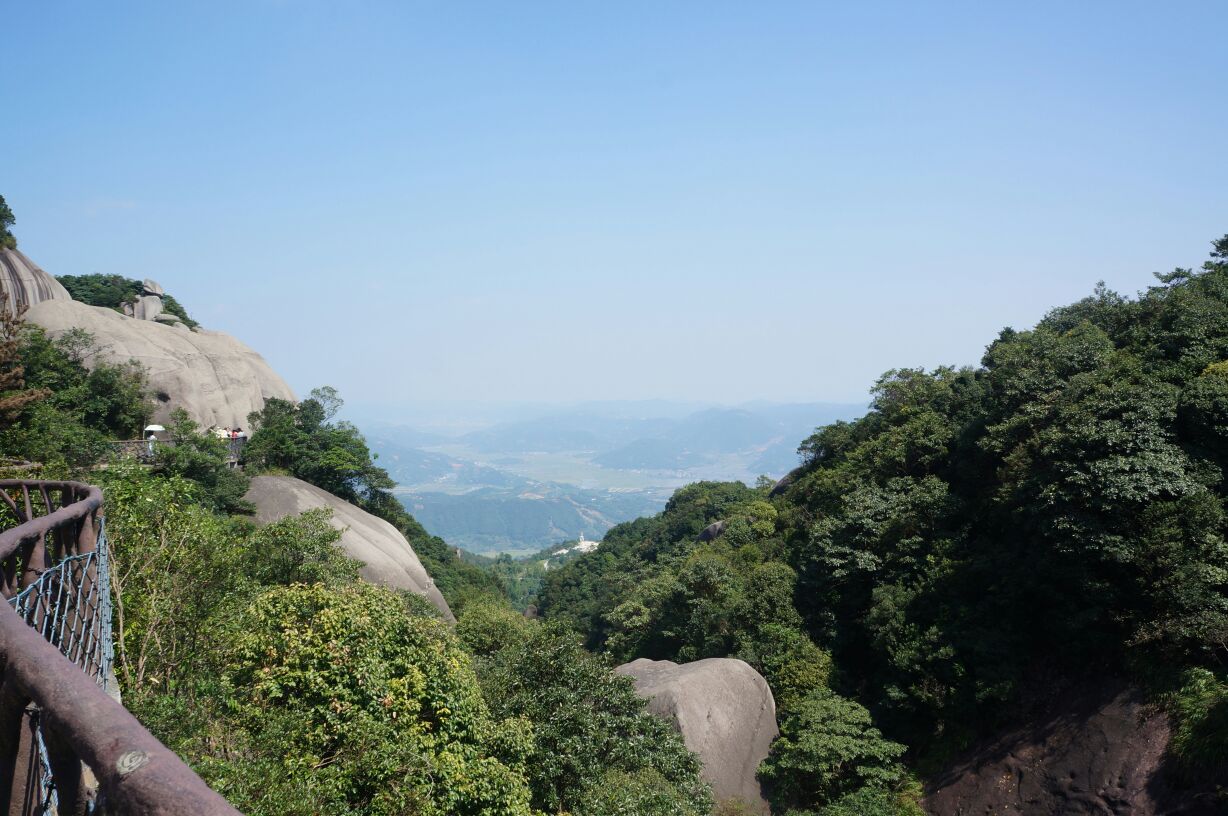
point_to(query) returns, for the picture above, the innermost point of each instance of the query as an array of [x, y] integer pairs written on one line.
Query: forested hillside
[[983, 536], [980, 535], [288, 684]]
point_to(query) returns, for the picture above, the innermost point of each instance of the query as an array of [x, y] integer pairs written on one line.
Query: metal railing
[[66, 747], [145, 451]]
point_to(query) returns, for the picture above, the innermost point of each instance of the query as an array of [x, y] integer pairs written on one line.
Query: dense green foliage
[[85, 407], [112, 291], [294, 688], [654, 590], [302, 440], [328, 697], [1200, 713], [827, 750], [1059, 508], [592, 734], [376, 706], [108, 291], [15, 397]]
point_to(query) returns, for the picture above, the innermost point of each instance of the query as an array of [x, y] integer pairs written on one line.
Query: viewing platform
[[145, 450]]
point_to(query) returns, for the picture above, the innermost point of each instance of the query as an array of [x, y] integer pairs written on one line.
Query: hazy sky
[[581, 200]]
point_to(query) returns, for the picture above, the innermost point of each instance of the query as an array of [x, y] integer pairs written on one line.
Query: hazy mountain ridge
[[527, 483]]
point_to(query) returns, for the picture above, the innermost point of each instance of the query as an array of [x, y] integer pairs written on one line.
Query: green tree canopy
[[7, 220]]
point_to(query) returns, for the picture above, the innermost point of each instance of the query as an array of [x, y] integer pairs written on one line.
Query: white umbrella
[[149, 428]]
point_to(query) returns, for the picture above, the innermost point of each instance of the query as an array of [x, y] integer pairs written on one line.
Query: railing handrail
[[32, 528], [137, 774]]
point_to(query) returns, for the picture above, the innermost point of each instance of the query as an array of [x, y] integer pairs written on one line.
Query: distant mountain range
[[531, 482], [705, 433], [518, 522]]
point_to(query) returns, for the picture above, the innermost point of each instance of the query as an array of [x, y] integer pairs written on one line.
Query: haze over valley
[[515, 479]]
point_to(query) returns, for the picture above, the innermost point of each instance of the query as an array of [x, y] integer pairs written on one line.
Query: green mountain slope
[[1057, 511]]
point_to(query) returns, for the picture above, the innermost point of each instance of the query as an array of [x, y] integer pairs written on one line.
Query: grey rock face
[[725, 712], [214, 377], [152, 287], [387, 557], [785, 482], [26, 283], [712, 531], [147, 307]]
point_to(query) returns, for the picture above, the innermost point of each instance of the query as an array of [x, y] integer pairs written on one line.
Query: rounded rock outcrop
[[214, 377], [725, 712], [785, 482], [387, 557], [25, 282]]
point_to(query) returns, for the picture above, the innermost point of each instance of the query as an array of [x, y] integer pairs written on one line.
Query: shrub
[[375, 708], [828, 748], [588, 722], [643, 793], [1199, 741]]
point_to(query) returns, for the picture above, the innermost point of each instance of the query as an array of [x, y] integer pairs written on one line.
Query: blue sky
[[562, 201]]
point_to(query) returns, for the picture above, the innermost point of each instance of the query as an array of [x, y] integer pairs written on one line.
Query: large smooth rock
[[214, 377], [388, 559], [725, 712], [25, 282], [147, 307]]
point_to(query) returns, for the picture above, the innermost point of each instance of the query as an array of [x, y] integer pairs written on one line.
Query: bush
[[1199, 740], [588, 722], [487, 627], [112, 291], [643, 793], [828, 748], [87, 407], [790, 662], [377, 709]]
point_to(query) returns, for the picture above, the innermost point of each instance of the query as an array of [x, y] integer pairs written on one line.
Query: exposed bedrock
[[25, 282], [214, 377], [387, 558], [785, 482], [725, 712], [1091, 750]]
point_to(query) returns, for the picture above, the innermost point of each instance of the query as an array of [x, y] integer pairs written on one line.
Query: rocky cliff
[[388, 559], [1094, 750]]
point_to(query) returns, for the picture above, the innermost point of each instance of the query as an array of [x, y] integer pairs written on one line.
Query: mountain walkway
[[66, 746]]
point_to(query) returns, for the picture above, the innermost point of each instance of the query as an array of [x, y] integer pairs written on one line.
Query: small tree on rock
[[7, 220]]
